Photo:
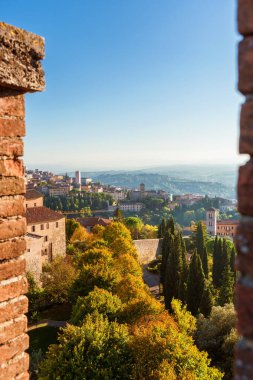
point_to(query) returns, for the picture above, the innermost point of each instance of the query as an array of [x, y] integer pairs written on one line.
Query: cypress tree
[[173, 273], [171, 225], [215, 272], [195, 284], [220, 263], [183, 281], [206, 302], [227, 288], [232, 261], [205, 262], [161, 229], [200, 242], [166, 248]]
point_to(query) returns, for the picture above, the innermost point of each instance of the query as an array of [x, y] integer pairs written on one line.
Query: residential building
[[90, 222], [56, 191], [33, 199], [78, 177], [211, 221], [131, 206], [227, 228]]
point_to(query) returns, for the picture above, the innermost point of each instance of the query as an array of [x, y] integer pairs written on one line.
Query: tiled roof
[[228, 222], [41, 214], [93, 221], [32, 194]]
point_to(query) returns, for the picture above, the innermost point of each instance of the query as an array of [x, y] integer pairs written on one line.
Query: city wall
[[148, 249]]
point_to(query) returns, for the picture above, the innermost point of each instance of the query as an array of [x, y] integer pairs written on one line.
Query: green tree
[[118, 214], [206, 302], [171, 225], [195, 284], [232, 261], [215, 272], [71, 226], [166, 249], [134, 225], [205, 262], [161, 229], [227, 288]]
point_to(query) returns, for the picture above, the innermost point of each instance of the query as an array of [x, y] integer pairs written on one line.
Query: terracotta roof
[[41, 214], [93, 221], [227, 222], [32, 194]]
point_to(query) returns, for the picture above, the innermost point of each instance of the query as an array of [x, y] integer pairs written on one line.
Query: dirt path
[[47, 322]]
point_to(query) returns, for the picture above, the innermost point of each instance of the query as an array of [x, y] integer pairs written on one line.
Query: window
[[47, 226], [42, 226], [34, 204], [33, 228], [45, 238], [57, 224]]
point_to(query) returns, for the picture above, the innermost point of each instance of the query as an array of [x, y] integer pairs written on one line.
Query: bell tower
[[211, 221]]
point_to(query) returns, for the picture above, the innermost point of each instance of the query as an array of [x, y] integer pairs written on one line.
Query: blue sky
[[132, 83]]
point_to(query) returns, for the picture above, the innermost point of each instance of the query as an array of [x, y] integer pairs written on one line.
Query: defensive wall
[[148, 249]]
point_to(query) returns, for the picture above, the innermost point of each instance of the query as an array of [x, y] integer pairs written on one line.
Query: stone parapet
[[20, 72]]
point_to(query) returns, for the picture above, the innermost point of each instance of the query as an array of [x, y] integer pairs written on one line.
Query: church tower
[[211, 221]]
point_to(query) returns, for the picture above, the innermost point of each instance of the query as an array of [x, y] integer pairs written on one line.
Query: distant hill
[[164, 182]]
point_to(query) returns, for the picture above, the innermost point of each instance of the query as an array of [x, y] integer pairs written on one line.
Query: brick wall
[[244, 288], [20, 72]]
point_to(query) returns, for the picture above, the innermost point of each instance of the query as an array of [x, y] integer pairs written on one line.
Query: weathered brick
[[23, 376], [245, 189], [12, 329], [12, 127], [9, 168], [12, 103], [243, 362], [11, 147], [246, 129], [13, 268], [245, 83], [245, 17], [13, 308], [11, 228], [12, 186], [12, 249], [244, 306], [12, 206], [13, 347], [244, 245], [15, 367], [12, 289]]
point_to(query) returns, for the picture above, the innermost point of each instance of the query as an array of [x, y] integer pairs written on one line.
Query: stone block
[[11, 147], [12, 186], [13, 309], [13, 347], [11, 168], [12, 206], [12, 103], [20, 55], [12, 329], [245, 189], [244, 360], [12, 248], [246, 128], [12, 127], [15, 367], [13, 288], [245, 17], [244, 307], [245, 83], [12, 268], [11, 228]]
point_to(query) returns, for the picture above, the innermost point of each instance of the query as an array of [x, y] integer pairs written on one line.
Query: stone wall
[[148, 249], [20, 72], [244, 288]]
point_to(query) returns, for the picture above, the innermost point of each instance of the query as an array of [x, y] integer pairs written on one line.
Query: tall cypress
[[206, 302], [205, 262], [220, 262], [195, 284], [215, 272], [232, 261], [227, 288], [171, 225], [183, 280], [161, 229], [166, 249]]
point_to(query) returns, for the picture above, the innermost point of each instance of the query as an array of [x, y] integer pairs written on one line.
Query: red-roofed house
[[90, 222]]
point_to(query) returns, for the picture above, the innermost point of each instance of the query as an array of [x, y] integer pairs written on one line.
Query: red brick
[[245, 83], [13, 308], [14, 347], [244, 362], [10, 269], [12, 249], [246, 129], [244, 306], [245, 189], [11, 147], [23, 376], [12, 103], [12, 127], [11, 330], [244, 245], [9, 290], [12, 186], [11, 228], [245, 17], [9, 168], [17, 366], [12, 206]]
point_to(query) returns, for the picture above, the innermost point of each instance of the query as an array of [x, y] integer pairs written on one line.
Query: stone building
[[45, 237]]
